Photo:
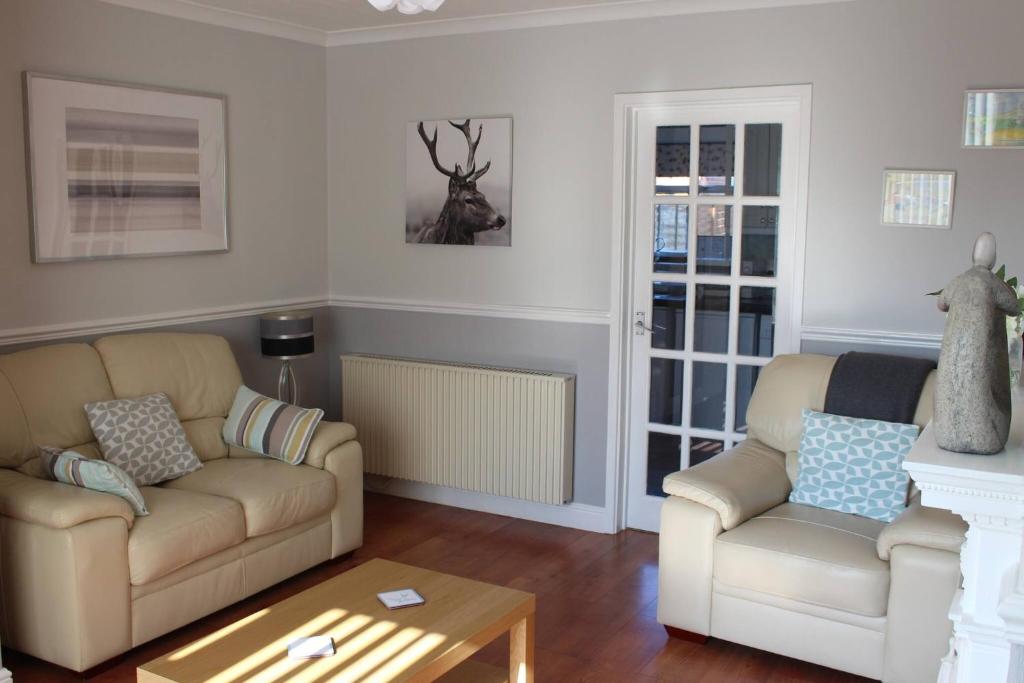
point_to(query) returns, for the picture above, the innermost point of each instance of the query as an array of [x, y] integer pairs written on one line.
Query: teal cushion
[[69, 467], [853, 465]]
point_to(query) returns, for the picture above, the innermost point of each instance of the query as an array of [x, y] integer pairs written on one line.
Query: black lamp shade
[[287, 335]]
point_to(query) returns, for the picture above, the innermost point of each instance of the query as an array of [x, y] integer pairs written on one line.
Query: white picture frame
[[917, 198], [118, 170], [994, 119]]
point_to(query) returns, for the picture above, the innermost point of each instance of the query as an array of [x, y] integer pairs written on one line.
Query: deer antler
[[431, 144], [471, 174]]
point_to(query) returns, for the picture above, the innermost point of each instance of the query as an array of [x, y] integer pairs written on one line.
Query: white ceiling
[[343, 22]]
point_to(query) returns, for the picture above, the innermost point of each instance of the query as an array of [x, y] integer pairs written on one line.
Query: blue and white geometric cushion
[[853, 465]]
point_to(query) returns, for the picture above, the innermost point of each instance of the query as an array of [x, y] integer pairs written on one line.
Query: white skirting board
[[573, 515]]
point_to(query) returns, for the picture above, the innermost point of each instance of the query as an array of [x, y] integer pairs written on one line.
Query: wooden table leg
[[521, 651]]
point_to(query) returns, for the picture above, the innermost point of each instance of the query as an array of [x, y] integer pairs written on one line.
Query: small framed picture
[[119, 170], [918, 199], [994, 119]]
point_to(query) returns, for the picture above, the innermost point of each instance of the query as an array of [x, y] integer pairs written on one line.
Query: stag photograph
[[458, 182]]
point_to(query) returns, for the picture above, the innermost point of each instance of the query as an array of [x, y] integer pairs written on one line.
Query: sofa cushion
[[181, 528], [16, 447], [273, 495], [205, 436], [273, 428], [198, 372], [52, 383], [786, 386], [854, 465], [143, 437], [815, 556], [74, 469]]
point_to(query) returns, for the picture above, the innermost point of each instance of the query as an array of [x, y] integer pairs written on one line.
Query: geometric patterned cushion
[[69, 467], [143, 437], [853, 465], [269, 427]]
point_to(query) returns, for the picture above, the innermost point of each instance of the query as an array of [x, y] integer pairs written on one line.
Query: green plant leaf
[[937, 293], [1001, 273], [1012, 282]]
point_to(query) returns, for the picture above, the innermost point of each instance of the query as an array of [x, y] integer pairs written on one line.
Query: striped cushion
[[270, 427], [69, 467]]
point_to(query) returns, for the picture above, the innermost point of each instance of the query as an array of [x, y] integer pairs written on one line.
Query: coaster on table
[[405, 597]]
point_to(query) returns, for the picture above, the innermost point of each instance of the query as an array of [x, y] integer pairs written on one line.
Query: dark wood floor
[[596, 601]]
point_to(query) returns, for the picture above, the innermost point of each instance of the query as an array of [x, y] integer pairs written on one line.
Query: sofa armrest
[[737, 484], [327, 437], [56, 505], [925, 527]]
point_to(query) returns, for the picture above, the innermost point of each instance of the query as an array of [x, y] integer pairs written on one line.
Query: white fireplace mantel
[[988, 492]]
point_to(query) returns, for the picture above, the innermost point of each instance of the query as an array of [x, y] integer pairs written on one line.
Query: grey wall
[[888, 79], [257, 372], [276, 161], [556, 347]]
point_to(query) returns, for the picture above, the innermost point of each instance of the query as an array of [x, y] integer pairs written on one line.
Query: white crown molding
[[838, 335], [541, 313], [561, 16], [241, 21], [579, 14], [47, 333]]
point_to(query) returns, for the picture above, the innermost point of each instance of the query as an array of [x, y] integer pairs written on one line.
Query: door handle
[[640, 324]]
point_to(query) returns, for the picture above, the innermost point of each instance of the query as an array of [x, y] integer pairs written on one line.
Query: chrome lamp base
[[287, 385]]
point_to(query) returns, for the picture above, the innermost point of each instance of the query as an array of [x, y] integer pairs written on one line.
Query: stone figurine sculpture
[[972, 394]]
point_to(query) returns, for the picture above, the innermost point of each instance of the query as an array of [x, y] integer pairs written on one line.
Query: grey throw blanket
[[875, 386]]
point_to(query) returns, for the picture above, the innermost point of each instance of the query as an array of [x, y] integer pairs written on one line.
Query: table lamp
[[287, 335]]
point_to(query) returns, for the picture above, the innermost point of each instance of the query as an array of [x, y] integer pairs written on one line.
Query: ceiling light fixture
[[407, 6]]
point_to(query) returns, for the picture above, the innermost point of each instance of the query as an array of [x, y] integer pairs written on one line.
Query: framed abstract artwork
[[918, 199], [120, 170], [994, 119], [458, 182]]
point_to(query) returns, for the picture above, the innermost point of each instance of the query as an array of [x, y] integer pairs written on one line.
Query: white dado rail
[[988, 492]]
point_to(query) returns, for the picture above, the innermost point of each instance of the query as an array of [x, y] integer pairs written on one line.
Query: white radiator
[[503, 432]]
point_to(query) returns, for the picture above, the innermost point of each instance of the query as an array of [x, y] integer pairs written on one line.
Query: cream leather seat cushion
[[181, 527], [273, 495], [809, 555]]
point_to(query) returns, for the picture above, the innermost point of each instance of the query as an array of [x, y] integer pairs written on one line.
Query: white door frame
[[621, 339]]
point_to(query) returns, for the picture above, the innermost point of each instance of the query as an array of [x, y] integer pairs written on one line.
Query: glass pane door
[[706, 286]]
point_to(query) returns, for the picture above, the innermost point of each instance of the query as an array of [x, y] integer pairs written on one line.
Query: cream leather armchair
[[739, 562], [81, 578]]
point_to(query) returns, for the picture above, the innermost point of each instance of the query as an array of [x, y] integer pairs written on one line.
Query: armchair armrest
[[327, 437], [56, 505], [738, 484], [924, 527]]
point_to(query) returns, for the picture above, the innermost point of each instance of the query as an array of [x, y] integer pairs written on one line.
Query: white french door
[[718, 199]]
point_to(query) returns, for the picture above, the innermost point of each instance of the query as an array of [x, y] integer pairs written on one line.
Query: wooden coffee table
[[426, 643]]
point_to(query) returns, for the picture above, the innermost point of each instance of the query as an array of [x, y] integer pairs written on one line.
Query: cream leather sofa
[[82, 579], [740, 563]]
